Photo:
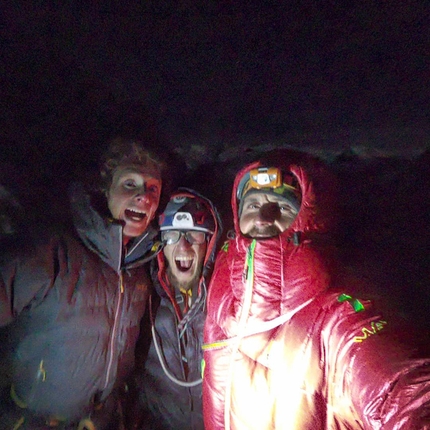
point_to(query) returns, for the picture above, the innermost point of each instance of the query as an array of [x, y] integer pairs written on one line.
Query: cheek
[[117, 198], [153, 203], [244, 223], [113, 205], [286, 221], [155, 200], [201, 259], [168, 255]]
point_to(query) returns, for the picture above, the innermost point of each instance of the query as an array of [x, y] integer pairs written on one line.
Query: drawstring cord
[[177, 381]]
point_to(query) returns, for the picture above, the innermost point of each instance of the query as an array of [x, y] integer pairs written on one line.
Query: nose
[[183, 243], [142, 195], [142, 198], [269, 213]]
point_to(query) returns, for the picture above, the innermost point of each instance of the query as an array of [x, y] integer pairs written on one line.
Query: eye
[[285, 208], [253, 205], [152, 189], [129, 184]]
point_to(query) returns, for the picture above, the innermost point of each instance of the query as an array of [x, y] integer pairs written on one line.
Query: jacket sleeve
[[26, 277], [377, 373]]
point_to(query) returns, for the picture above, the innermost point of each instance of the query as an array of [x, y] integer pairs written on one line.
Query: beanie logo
[[183, 220], [181, 216]]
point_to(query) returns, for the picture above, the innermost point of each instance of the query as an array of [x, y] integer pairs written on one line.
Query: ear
[[106, 191], [106, 194]]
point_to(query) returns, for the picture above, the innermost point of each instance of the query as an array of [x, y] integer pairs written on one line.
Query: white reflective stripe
[[257, 328], [269, 325]]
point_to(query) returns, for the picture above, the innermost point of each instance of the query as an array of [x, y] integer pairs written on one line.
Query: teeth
[[135, 215], [184, 258], [184, 263]]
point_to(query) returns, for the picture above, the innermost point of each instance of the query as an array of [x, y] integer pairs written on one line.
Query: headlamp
[[271, 181], [265, 177], [262, 177]]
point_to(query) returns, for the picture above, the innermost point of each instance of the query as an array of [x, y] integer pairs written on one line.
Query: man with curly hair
[[71, 303]]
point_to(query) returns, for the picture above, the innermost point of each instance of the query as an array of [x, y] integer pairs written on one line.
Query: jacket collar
[[104, 236]]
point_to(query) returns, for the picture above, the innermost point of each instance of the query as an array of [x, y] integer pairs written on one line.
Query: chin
[[263, 233], [180, 280], [133, 232], [185, 280]]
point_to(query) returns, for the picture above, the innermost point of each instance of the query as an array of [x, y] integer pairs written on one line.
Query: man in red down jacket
[[283, 350]]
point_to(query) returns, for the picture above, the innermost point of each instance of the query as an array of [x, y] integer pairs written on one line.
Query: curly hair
[[123, 151]]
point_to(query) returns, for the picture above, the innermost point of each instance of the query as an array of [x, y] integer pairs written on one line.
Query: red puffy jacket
[[283, 350]]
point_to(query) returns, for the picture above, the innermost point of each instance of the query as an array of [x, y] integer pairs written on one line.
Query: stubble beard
[[264, 232], [181, 284]]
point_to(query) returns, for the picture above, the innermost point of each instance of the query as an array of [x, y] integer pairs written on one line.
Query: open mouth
[[134, 215], [184, 264]]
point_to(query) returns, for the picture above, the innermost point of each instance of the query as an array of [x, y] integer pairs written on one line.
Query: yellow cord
[[86, 424], [20, 403], [19, 423]]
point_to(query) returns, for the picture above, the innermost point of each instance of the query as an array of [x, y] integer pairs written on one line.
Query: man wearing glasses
[[169, 383]]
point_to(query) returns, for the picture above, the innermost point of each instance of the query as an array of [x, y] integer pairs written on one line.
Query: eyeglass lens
[[193, 237]]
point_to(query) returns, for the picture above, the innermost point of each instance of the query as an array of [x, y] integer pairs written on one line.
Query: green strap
[[355, 303]]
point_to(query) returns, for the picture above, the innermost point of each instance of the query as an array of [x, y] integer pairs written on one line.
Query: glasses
[[170, 237]]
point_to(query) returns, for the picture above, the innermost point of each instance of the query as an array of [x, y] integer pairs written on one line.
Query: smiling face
[[265, 215], [184, 263], [133, 198]]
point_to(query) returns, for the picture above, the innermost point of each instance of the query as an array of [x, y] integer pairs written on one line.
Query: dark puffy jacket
[[171, 398], [285, 351], [72, 305]]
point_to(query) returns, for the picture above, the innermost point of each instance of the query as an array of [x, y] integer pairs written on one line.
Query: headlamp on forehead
[[262, 177], [265, 177], [271, 181]]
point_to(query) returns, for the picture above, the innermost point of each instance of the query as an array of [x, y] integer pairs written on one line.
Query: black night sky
[[326, 75]]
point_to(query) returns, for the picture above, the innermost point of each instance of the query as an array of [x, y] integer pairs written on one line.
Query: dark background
[[212, 75], [217, 83]]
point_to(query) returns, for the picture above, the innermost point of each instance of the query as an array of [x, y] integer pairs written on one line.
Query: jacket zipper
[[114, 330], [241, 331]]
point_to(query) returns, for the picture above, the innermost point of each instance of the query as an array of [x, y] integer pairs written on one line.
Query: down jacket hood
[[200, 302], [297, 258], [318, 188]]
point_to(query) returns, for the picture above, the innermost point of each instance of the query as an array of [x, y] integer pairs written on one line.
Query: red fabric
[[325, 365]]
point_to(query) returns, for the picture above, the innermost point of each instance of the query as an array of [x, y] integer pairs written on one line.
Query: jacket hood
[[104, 236], [317, 212], [289, 269], [207, 263]]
